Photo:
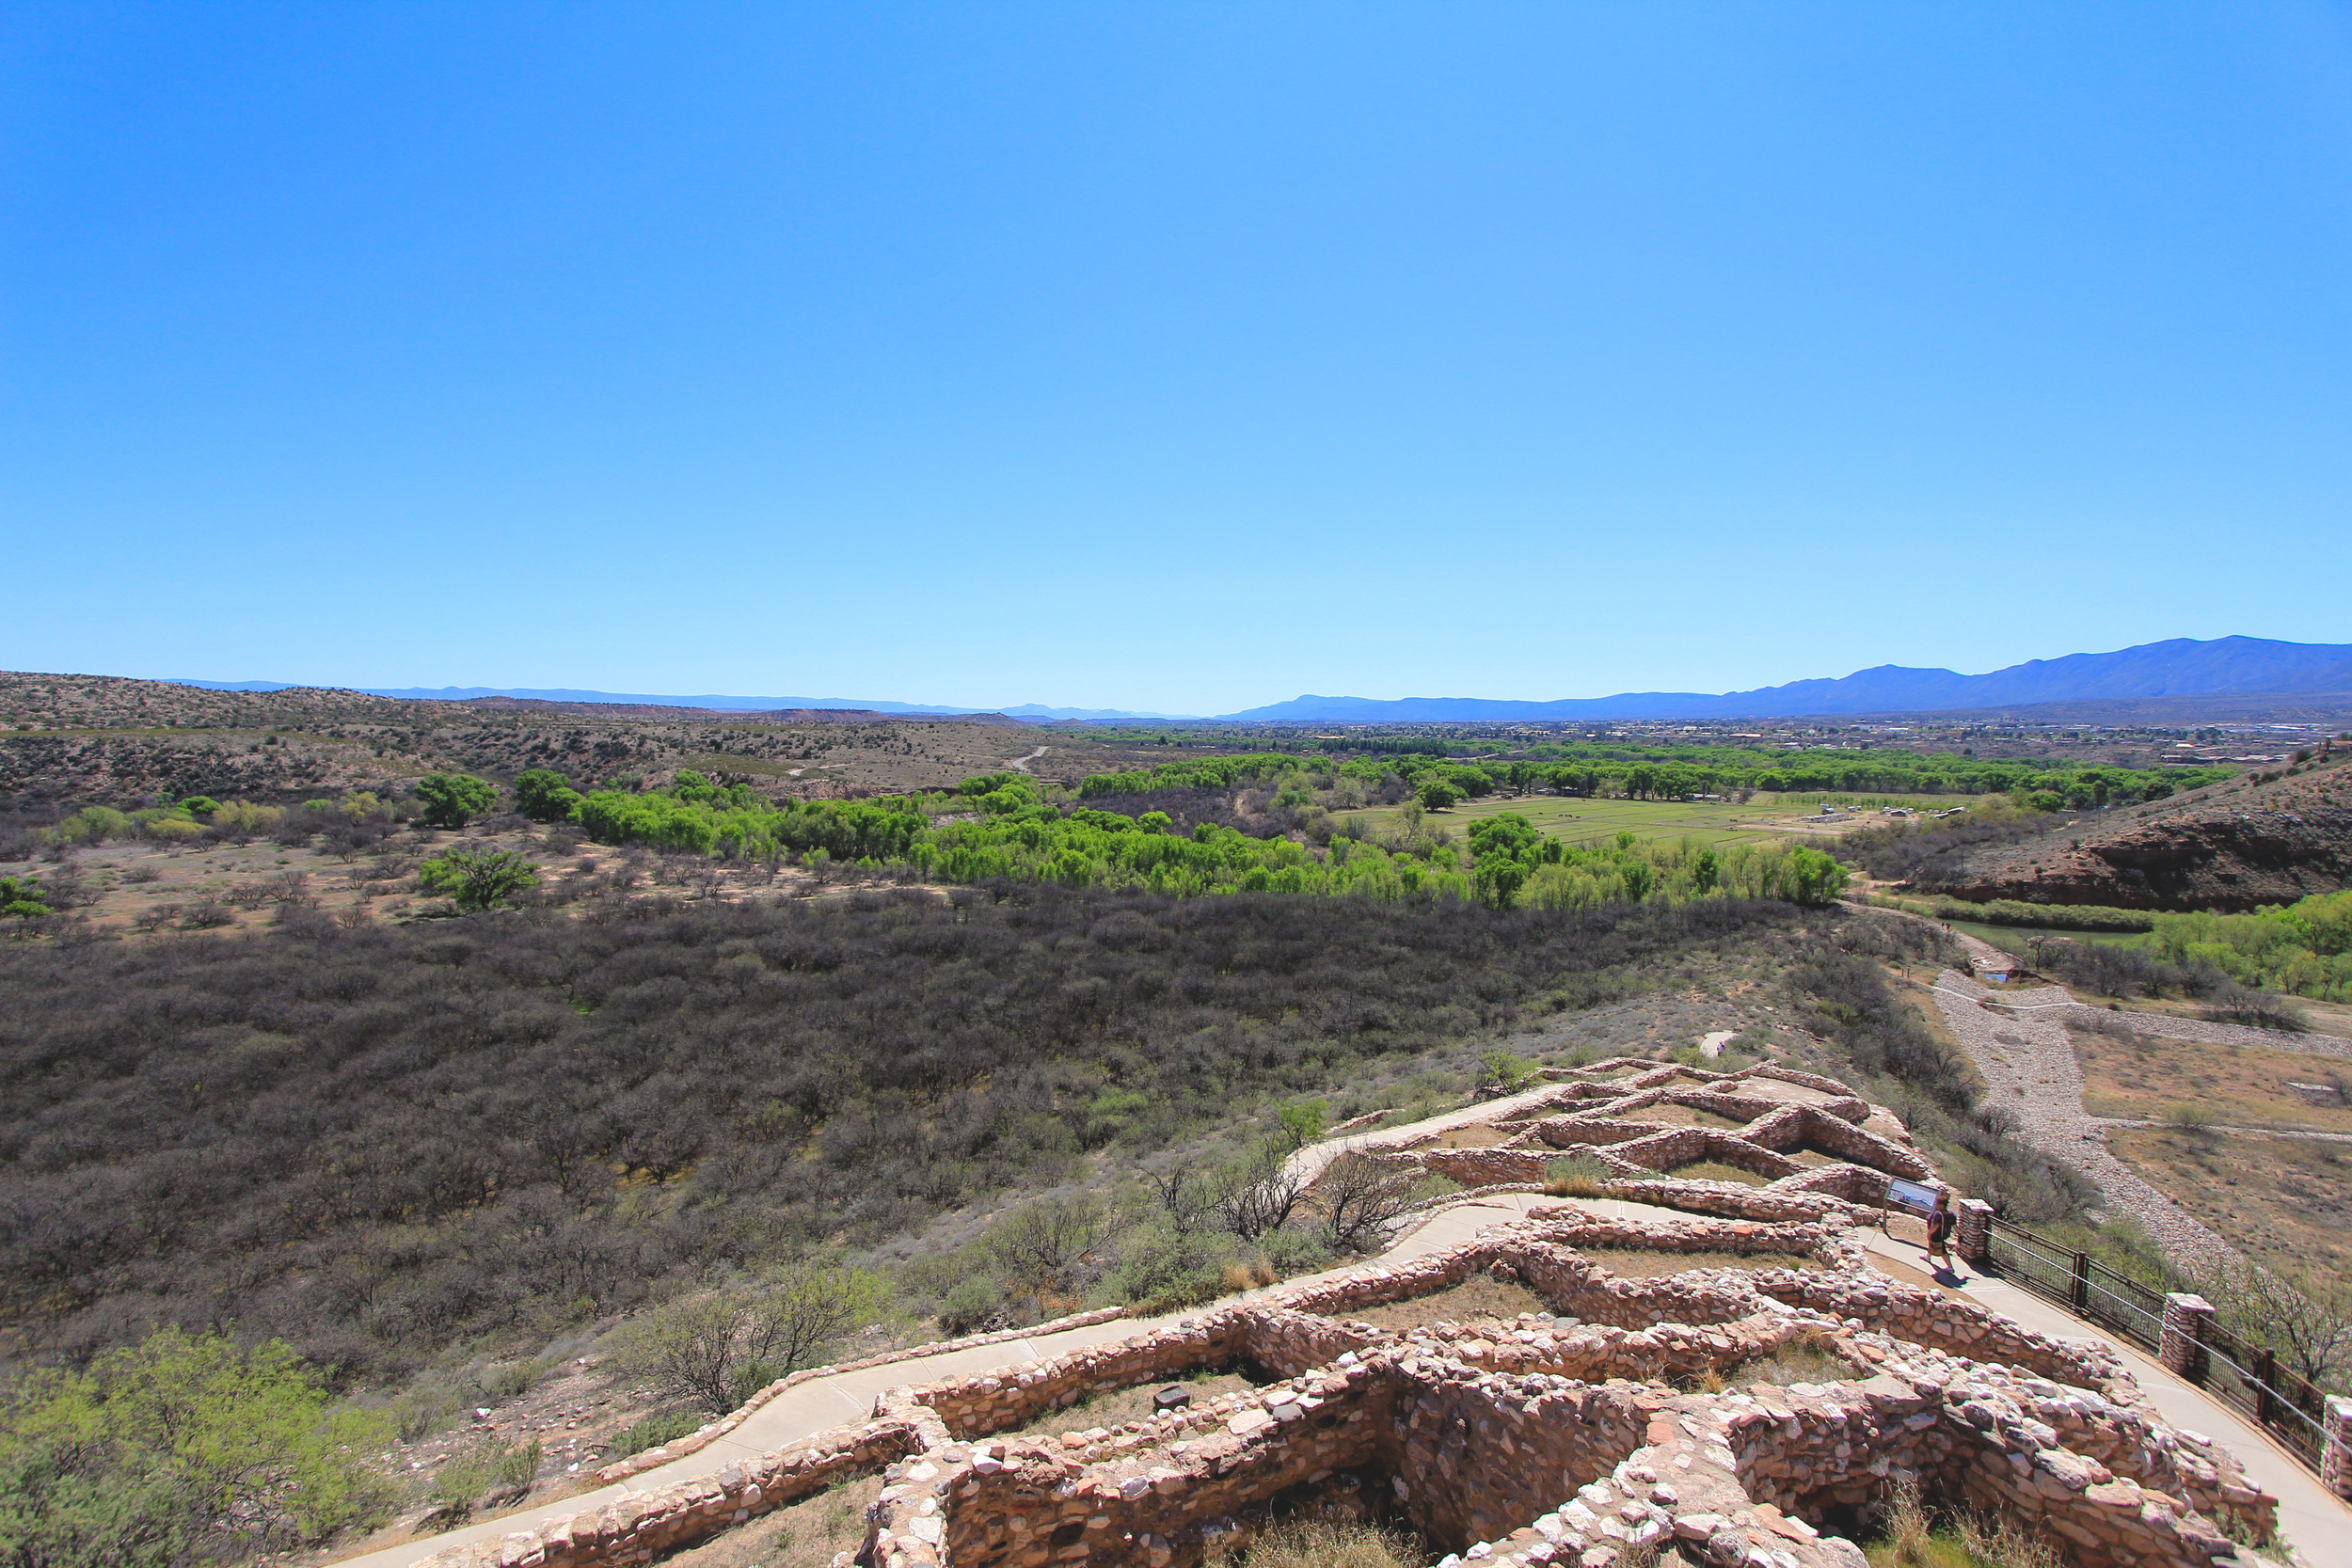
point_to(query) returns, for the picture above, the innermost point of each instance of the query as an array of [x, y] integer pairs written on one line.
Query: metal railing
[[2078, 1282], [2275, 1398], [2244, 1377]]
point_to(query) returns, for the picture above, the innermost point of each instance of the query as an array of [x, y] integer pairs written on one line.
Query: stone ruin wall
[[1537, 1446]]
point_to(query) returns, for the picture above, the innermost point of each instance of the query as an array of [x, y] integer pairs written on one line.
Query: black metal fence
[[2080, 1282], [2243, 1376], [2275, 1398]]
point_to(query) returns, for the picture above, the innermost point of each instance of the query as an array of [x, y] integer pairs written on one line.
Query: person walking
[[1942, 1222]]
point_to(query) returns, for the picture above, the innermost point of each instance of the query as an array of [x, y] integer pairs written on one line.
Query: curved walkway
[[2317, 1523], [850, 1396]]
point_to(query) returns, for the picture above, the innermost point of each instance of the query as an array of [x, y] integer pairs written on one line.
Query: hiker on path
[[1940, 1223]]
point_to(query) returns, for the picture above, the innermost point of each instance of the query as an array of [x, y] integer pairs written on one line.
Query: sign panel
[[1910, 1194]]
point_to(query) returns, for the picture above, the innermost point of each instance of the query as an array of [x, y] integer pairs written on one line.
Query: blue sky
[[1182, 358]]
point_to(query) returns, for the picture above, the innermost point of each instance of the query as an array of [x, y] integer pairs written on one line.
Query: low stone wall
[[636, 1530], [702, 1437], [1931, 1318], [1798, 1452], [1522, 1442], [1676, 1147]]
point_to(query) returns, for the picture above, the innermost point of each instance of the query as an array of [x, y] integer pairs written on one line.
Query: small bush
[[465, 1479], [1579, 1175], [666, 1427], [509, 1380]]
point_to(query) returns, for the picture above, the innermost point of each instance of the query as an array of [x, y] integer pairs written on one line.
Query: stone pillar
[[2183, 1347], [2335, 1462], [1972, 1231]]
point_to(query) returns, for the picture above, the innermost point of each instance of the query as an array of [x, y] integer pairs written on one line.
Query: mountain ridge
[[2176, 668], [715, 703], [2179, 667]]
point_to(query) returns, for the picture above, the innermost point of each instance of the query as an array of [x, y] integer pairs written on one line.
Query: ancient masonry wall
[[1557, 1439]]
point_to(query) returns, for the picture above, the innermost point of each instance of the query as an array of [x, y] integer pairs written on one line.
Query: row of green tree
[[1709, 770], [1000, 826], [2304, 948]]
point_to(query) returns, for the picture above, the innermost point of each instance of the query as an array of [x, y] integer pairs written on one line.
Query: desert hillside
[[2264, 839]]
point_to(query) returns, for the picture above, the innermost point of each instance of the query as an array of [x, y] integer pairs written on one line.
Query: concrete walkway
[[2313, 1520], [2318, 1525], [847, 1397]]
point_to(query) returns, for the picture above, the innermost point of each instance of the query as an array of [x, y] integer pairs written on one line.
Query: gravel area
[[2028, 1065], [2209, 1034]]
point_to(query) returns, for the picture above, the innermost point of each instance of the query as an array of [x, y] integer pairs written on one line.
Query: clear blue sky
[[1167, 356]]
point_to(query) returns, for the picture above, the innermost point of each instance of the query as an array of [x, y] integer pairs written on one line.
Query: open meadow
[[1581, 821]]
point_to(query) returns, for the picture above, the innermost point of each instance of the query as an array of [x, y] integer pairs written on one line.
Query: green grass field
[[2012, 939], [1580, 821]]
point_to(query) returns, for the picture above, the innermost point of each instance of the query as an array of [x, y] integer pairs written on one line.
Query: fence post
[[1974, 1233], [2183, 1347], [2266, 1370], [2335, 1460], [2081, 1293]]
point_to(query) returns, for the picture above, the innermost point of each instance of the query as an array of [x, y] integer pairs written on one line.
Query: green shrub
[[508, 1380], [1577, 1176], [180, 1448], [463, 1478], [654, 1430], [969, 1304]]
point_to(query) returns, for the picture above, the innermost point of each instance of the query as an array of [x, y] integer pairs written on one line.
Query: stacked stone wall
[[1486, 1453], [1931, 1318], [1676, 1147]]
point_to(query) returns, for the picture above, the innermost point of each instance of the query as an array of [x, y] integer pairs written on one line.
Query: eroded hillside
[[2264, 839]]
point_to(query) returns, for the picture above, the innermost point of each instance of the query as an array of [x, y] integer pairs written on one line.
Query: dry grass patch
[[1668, 1114], [805, 1534], [1715, 1170], [1122, 1406], [1798, 1361], [1479, 1298], [1325, 1544], [2146, 1075], [2285, 1202], [1468, 1137], [1643, 1264]]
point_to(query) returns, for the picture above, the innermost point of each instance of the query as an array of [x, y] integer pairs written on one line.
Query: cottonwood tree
[[477, 879], [452, 798]]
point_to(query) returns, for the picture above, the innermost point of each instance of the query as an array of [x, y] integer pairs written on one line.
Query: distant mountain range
[[2179, 668], [727, 704], [2227, 666]]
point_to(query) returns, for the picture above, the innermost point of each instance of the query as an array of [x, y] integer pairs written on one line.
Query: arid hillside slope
[[2236, 846], [68, 740]]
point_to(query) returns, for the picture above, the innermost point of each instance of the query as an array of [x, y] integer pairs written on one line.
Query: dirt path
[[2030, 1073], [1021, 764]]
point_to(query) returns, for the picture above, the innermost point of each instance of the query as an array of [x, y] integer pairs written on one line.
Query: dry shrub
[[1324, 1543], [1579, 1175]]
